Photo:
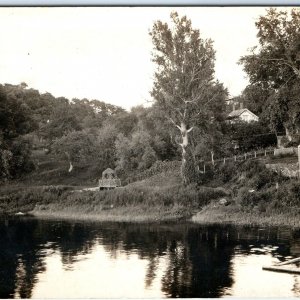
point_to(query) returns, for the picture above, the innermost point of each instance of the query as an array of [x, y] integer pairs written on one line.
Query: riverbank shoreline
[[212, 214], [90, 208], [128, 215], [248, 194], [234, 215]]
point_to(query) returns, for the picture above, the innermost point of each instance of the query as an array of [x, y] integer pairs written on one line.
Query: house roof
[[238, 112], [108, 171]]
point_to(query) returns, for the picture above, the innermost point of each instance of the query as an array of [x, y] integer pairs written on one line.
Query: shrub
[[295, 190], [263, 179], [227, 171], [288, 195], [157, 168], [294, 142], [252, 167], [252, 199]]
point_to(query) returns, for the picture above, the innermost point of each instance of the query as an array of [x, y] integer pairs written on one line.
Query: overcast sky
[[105, 53]]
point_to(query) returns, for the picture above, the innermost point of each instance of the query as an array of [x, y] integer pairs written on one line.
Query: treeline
[[84, 133], [273, 69], [96, 135]]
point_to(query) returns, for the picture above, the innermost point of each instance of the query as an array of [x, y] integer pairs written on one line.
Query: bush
[[288, 195], [227, 171], [264, 179], [157, 168], [251, 136], [261, 199], [252, 167], [258, 176], [293, 143], [294, 188]]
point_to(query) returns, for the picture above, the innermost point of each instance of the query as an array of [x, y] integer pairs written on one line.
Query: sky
[[104, 53]]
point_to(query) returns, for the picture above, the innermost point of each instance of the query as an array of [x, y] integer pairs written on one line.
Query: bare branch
[[195, 99], [212, 98], [175, 124], [287, 63], [184, 113]]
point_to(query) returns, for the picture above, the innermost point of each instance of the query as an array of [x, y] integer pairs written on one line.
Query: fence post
[[245, 156], [224, 160], [204, 168], [265, 152], [299, 161], [255, 154], [235, 158]]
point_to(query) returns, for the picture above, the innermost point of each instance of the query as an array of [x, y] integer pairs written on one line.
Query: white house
[[243, 114]]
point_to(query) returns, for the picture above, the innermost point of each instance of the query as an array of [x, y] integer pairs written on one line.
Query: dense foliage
[[274, 70], [85, 134], [184, 84], [251, 136]]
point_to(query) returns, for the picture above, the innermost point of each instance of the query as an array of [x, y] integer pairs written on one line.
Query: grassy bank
[[214, 213], [158, 198], [259, 196], [252, 193]]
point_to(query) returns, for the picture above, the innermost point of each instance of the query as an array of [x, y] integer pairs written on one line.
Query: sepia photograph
[[149, 152]]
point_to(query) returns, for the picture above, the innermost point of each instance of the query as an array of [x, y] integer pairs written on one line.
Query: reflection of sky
[[140, 262], [98, 275], [251, 280]]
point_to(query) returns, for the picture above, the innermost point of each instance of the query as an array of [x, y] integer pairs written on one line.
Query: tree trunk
[[288, 134], [70, 162], [212, 157], [71, 167], [188, 170]]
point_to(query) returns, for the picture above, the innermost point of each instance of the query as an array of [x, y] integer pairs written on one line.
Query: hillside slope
[[51, 169]]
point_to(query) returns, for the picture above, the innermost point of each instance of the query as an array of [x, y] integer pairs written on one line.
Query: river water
[[63, 259]]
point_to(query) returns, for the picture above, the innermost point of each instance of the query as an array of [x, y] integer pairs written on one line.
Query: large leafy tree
[[15, 121], [135, 152], [77, 146], [152, 120], [63, 120], [255, 97], [275, 66], [184, 85]]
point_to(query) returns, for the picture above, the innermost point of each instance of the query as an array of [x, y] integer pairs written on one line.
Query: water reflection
[[43, 259]]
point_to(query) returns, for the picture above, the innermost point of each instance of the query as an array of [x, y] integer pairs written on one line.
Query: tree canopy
[[184, 85], [275, 66]]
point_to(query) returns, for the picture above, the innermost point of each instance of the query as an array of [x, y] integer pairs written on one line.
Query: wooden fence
[[203, 165]]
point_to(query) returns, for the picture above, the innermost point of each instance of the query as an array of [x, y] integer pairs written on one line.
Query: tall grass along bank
[[244, 193]]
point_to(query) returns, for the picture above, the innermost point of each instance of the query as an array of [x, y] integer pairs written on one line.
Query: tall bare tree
[[184, 85]]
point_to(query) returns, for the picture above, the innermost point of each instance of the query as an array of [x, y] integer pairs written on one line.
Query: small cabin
[[109, 180]]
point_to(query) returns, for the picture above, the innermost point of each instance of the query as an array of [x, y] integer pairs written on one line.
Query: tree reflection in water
[[20, 258], [198, 260]]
